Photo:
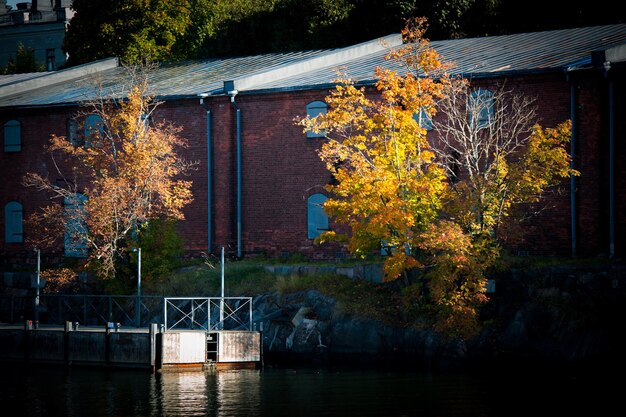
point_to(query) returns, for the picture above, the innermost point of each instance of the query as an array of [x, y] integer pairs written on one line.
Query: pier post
[[153, 345], [69, 326]]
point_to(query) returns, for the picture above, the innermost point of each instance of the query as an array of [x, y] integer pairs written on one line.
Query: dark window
[[12, 136], [13, 215], [480, 106], [93, 129], [423, 119], [75, 226], [50, 60]]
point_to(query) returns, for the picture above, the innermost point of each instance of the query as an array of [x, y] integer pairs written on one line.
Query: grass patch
[[250, 278]]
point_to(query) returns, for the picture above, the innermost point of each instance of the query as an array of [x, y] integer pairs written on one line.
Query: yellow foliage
[[129, 171]]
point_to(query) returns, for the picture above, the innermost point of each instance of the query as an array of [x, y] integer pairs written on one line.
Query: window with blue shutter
[[12, 136], [93, 128], [318, 220], [13, 219], [423, 119], [314, 109], [75, 226], [480, 105]]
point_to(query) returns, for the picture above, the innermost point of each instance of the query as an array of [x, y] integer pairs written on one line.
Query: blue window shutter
[[423, 119], [12, 136], [480, 103], [93, 126], [317, 218], [314, 109], [75, 227], [13, 220]]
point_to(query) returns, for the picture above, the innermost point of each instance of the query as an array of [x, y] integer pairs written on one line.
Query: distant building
[[40, 25], [259, 181]]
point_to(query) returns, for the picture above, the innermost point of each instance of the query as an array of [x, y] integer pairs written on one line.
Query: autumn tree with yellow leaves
[[125, 171], [393, 186]]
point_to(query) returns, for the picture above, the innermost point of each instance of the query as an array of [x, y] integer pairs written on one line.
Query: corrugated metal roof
[[554, 50], [14, 78], [496, 55], [169, 80]]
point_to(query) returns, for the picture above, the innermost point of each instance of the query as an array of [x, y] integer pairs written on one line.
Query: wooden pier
[[147, 348]]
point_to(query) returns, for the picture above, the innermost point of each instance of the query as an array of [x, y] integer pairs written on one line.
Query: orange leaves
[[129, 170], [390, 188]]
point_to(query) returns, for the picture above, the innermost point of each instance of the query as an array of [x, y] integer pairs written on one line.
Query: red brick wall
[[281, 169]]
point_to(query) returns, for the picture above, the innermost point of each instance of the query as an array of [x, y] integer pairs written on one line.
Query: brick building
[[259, 180]]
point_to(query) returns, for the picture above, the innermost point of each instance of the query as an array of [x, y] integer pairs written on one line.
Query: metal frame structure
[[208, 313]]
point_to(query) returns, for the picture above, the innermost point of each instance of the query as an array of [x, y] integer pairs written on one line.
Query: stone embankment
[[545, 315]]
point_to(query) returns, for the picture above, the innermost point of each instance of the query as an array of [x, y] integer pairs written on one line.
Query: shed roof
[[556, 50]]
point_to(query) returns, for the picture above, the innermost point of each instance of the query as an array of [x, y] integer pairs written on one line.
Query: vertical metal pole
[[611, 169], [138, 308], [573, 117], [37, 286], [222, 296], [250, 309], [239, 175]]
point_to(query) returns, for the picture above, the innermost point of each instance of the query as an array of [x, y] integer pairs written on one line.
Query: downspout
[[209, 170], [232, 95], [607, 67], [573, 118]]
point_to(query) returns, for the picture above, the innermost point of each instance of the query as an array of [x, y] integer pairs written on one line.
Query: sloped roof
[[556, 50]]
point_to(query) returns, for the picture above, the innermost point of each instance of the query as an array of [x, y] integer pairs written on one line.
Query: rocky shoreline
[[556, 315]]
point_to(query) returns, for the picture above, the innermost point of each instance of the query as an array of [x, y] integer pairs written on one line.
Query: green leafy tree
[[162, 250], [23, 62], [133, 30]]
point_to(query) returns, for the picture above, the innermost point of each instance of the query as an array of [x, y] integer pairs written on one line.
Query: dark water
[[56, 391]]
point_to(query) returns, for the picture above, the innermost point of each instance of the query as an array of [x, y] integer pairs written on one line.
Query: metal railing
[[93, 310], [209, 314]]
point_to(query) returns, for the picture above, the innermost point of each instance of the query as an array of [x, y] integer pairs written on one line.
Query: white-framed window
[[13, 222], [480, 108], [75, 227], [314, 109], [12, 136], [317, 217]]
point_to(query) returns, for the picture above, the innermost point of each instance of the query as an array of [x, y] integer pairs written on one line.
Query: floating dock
[[147, 348]]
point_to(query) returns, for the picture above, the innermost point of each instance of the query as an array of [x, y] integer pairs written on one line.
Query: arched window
[[12, 136], [480, 108], [313, 109], [13, 216], [75, 226], [317, 218]]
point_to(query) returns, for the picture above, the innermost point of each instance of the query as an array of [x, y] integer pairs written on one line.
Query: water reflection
[[40, 391]]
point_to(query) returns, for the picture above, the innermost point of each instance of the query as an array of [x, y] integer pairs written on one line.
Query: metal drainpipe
[[573, 117], [209, 169], [238, 128], [607, 66]]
